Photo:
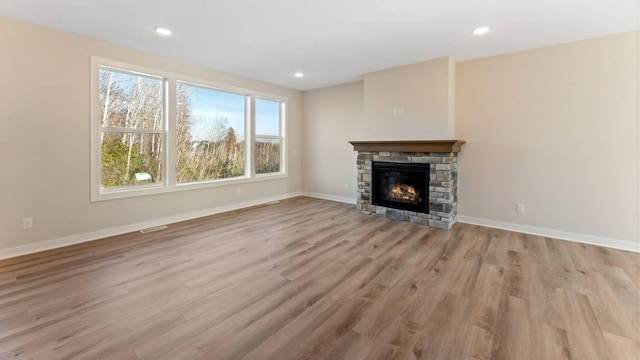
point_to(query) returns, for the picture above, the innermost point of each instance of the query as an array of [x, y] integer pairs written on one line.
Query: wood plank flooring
[[313, 279]]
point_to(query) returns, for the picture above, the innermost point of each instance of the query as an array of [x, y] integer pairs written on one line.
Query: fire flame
[[403, 192]]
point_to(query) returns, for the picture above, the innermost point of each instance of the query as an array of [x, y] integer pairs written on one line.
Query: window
[[210, 134], [132, 129], [268, 138], [156, 132]]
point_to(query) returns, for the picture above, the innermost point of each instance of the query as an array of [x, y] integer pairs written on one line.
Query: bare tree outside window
[[131, 128]]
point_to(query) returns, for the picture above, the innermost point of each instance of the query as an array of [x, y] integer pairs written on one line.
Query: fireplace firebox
[[401, 186]]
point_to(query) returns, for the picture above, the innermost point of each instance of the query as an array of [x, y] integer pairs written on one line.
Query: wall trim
[[123, 229], [329, 197], [551, 233]]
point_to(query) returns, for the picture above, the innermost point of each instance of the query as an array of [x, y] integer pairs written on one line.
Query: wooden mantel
[[444, 146]]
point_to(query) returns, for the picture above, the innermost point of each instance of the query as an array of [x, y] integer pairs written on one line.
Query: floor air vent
[[152, 229]]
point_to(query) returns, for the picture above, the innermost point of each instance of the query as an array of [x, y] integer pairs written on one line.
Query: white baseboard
[[99, 234], [329, 197], [556, 234], [533, 230]]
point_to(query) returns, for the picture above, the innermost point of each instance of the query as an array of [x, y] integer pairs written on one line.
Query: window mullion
[[251, 136], [283, 132], [171, 133]]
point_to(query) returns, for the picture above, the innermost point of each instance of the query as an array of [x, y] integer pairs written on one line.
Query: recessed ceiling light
[[298, 74], [481, 30], [163, 31]]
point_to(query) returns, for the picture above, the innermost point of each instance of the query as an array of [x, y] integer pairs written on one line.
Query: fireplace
[[401, 186], [409, 180]]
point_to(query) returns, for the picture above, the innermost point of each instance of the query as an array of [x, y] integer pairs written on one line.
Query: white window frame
[[169, 183]]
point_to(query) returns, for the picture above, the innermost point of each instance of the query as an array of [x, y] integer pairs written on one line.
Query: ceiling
[[330, 41]]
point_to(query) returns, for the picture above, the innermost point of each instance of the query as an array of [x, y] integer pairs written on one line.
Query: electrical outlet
[[27, 223], [401, 110], [395, 111], [520, 208]]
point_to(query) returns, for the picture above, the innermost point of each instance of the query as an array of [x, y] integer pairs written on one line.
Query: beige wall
[[557, 130], [45, 148], [422, 89], [554, 128], [332, 117]]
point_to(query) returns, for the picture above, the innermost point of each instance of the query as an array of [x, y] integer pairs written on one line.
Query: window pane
[[267, 117], [130, 100], [129, 159], [210, 134], [267, 155]]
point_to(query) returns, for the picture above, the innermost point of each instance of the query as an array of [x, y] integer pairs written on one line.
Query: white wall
[[423, 89], [332, 117], [45, 147], [557, 130]]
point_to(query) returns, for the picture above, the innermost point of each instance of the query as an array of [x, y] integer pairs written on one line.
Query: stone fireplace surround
[[441, 155]]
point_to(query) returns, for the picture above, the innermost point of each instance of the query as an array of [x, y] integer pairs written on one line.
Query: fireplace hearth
[[401, 186]]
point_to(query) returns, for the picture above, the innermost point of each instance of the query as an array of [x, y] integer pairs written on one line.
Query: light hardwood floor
[[313, 279]]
